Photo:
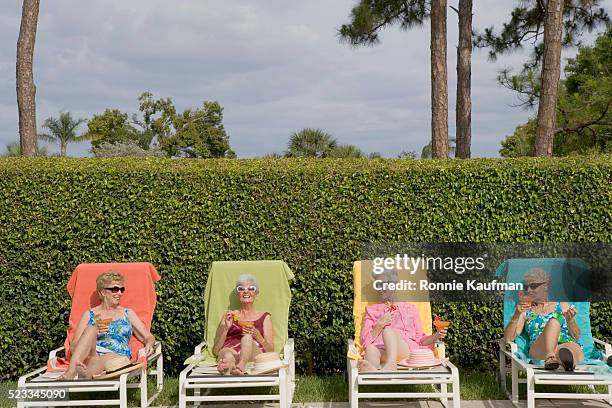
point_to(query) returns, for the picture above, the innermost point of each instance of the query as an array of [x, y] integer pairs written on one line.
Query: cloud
[[275, 67]]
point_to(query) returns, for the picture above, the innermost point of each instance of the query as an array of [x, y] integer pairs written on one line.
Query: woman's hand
[[257, 336], [228, 320], [570, 313], [441, 332], [148, 348], [522, 307], [385, 319]]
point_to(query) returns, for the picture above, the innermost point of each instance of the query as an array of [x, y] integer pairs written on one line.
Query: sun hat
[[117, 366], [266, 363], [421, 358]]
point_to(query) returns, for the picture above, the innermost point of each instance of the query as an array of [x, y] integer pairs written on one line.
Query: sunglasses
[[116, 289], [246, 288], [534, 286]]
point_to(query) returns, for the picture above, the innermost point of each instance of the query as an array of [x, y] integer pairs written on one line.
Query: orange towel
[[140, 296]]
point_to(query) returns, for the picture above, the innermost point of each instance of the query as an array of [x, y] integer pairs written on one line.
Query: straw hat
[[266, 363], [117, 366], [421, 358]]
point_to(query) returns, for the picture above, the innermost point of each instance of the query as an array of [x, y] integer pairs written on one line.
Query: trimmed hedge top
[[315, 214]]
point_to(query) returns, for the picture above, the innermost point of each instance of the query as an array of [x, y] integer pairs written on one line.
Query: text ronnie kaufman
[[424, 284]]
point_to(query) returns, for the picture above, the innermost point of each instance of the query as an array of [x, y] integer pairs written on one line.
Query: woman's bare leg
[[371, 362], [81, 350], [95, 365], [395, 349], [247, 347], [226, 360], [545, 345], [575, 349]]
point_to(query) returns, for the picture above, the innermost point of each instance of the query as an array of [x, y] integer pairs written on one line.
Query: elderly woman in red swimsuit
[[243, 334]]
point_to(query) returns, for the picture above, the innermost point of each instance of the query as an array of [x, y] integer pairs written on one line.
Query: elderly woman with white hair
[[243, 334], [551, 326]]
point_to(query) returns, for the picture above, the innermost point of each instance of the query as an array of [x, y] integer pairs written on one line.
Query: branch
[[454, 9], [582, 126]]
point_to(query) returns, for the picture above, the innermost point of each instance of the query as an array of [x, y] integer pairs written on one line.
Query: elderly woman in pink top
[[391, 330]]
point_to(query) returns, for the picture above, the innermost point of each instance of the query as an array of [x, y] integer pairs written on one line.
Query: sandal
[[551, 363], [567, 359]]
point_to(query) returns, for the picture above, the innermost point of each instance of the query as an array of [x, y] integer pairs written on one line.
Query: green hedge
[[181, 215]]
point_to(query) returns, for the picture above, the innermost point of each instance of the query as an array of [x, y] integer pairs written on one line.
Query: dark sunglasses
[[246, 288], [116, 289], [534, 286]]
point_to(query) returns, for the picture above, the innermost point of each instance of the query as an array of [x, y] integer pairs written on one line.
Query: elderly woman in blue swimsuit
[[551, 326], [104, 331]]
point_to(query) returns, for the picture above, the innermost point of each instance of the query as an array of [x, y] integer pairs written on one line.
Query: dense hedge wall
[[314, 214]]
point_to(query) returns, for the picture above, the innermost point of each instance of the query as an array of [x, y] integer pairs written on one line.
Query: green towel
[[220, 295]]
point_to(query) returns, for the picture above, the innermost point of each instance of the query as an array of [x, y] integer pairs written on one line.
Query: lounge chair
[[438, 377], [566, 277], [140, 296], [274, 297]]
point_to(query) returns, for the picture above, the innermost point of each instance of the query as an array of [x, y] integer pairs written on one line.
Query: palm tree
[[62, 130], [310, 142], [346, 151]]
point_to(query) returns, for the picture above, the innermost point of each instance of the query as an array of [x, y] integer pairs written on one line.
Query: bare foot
[[224, 367], [239, 369], [390, 366], [365, 366], [68, 375]]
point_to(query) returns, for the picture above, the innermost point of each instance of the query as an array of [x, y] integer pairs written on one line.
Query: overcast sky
[[276, 66]]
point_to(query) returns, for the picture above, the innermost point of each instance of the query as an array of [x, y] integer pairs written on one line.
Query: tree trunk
[[439, 81], [26, 90], [464, 81], [63, 146], [551, 70]]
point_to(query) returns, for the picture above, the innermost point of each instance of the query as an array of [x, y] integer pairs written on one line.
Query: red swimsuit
[[234, 335]]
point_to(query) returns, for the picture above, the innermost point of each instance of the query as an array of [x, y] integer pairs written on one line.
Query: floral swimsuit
[[535, 323], [117, 339]]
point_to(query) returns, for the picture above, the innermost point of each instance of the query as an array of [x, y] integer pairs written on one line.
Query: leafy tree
[[199, 134], [62, 130], [549, 26], [409, 155], [584, 117], [375, 155], [346, 151], [14, 150], [195, 133], [127, 148], [310, 142], [26, 89], [369, 17], [110, 127]]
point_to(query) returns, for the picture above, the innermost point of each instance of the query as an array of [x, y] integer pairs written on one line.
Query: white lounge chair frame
[[536, 375], [189, 379], [439, 378], [155, 367]]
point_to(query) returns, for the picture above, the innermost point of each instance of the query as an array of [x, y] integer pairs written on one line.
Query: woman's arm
[[141, 332], [572, 325], [81, 326], [515, 326], [268, 335], [222, 329]]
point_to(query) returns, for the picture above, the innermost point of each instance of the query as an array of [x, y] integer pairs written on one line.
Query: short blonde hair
[[537, 275], [106, 278]]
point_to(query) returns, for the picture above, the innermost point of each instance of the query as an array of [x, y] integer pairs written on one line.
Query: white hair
[[390, 274], [247, 278]]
